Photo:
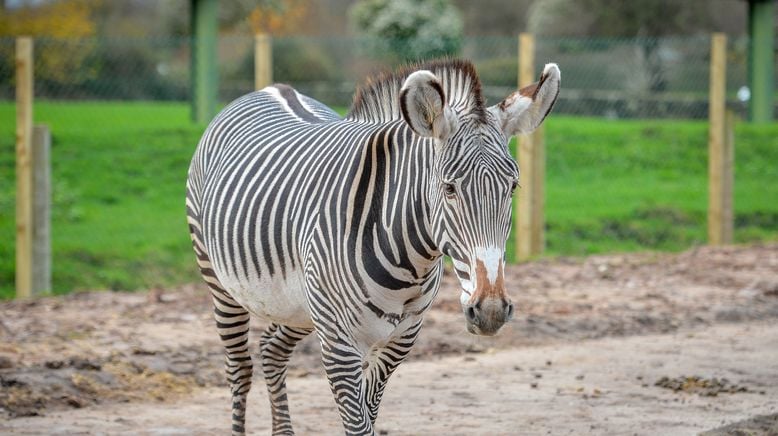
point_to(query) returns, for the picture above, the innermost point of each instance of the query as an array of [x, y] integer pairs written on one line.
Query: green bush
[[409, 30]]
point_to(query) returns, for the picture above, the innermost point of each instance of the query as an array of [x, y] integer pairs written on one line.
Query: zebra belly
[[273, 298]]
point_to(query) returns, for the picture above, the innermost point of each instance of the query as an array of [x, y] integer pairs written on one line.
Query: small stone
[[11, 382], [295, 372], [155, 295], [182, 368], [6, 362], [54, 364], [74, 402], [80, 363]]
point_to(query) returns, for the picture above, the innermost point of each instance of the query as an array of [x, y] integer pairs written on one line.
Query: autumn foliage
[[70, 21], [278, 18]]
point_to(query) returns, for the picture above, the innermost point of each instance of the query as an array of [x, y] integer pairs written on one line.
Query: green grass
[[119, 174], [632, 185], [119, 171]]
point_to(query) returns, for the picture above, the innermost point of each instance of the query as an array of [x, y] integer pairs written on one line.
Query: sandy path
[[603, 386]]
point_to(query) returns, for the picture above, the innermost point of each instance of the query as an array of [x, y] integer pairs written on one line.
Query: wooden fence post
[[528, 212], [720, 148], [728, 178], [24, 179], [41, 213], [263, 61], [539, 191]]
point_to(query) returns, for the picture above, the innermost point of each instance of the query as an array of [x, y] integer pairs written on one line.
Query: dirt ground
[[627, 344]]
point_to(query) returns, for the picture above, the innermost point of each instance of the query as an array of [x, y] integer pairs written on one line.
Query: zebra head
[[474, 179]]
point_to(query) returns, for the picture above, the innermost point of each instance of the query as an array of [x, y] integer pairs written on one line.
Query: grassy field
[[119, 171]]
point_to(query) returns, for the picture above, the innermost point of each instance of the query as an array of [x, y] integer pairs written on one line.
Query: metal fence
[[122, 149], [604, 77]]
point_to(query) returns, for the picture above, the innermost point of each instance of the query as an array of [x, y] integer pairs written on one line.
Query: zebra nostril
[[470, 314], [509, 311]]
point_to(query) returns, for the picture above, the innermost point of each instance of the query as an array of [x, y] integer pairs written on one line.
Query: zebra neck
[[394, 174]]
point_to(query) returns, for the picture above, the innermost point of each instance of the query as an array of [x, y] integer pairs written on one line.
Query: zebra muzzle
[[485, 317]]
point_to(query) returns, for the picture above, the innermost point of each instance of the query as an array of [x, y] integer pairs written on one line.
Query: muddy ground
[[626, 344]]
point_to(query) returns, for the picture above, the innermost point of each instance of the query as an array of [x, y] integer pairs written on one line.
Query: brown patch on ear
[[531, 91], [509, 100], [553, 102], [484, 289]]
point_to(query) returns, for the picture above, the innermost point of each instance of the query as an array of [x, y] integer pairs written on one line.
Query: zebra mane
[[378, 100]]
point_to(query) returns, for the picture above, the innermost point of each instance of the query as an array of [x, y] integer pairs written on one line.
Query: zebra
[[338, 226]]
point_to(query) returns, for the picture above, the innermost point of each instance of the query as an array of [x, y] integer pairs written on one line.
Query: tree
[[56, 61], [646, 19], [494, 17], [410, 29], [277, 17]]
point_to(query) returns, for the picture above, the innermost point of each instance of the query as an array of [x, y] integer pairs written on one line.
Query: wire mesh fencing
[[603, 77], [626, 145], [610, 77]]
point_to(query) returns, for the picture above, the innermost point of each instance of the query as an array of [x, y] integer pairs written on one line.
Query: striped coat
[[338, 226]]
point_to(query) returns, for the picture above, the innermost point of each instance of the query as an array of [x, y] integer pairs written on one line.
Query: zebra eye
[[449, 189], [514, 185]]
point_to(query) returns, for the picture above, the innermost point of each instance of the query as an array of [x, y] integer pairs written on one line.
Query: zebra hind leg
[[275, 348], [232, 324]]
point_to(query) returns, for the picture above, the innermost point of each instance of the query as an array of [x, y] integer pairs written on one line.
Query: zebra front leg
[[344, 367], [275, 348], [382, 363], [232, 324]]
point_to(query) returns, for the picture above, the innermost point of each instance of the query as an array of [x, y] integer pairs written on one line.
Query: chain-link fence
[[615, 78], [122, 138]]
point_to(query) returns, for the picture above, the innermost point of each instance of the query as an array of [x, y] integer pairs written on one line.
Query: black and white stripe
[[338, 226]]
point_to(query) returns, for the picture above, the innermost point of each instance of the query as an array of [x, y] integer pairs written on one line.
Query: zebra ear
[[423, 106], [525, 109]]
